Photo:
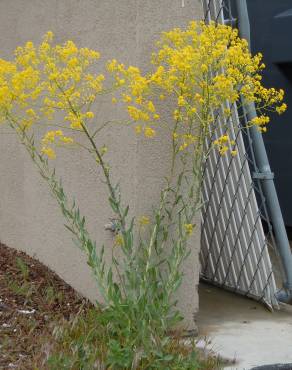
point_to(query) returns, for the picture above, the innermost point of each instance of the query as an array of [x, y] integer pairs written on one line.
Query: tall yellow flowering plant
[[199, 73]]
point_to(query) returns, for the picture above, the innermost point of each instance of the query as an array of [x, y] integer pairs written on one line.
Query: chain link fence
[[235, 249]]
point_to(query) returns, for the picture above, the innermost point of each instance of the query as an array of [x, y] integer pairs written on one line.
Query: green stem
[[101, 162]]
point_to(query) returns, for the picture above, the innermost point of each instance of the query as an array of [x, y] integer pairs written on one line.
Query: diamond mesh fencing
[[235, 249]]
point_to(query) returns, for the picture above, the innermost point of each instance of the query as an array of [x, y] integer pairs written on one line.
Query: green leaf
[[113, 204]]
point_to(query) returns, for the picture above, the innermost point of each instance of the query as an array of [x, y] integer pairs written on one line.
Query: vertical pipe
[[266, 175]]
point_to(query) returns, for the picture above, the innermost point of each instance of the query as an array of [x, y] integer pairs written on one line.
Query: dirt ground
[[33, 300]]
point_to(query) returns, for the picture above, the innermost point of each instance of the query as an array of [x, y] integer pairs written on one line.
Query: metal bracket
[[263, 175], [284, 295]]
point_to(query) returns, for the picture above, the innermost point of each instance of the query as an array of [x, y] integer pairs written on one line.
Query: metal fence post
[[266, 176]]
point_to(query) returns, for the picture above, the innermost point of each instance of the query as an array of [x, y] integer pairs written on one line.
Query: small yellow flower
[[89, 114], [49, 152], [204, 68], [183, 147], [112, 65], [176, 114], [67, 140], [139, 100], [223, 150], [189, 228], [51, 135], [91, 98], [151, 107], [119, 241], [138, 129], [144, 220], [282, 108], [127, 98], [49, 36], [121, 81], [30, 112], [181, 101], [76, 124], [149, 132], [114, 100], [104, 150]]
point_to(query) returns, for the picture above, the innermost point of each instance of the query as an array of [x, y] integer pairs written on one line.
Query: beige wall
[[29, 218]]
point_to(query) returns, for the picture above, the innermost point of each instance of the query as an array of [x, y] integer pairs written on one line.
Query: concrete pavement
[[242, 330]]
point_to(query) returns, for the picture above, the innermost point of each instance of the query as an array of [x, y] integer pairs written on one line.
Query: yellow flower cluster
[[54, 137], [225, 144], [48, 79], [77, 118], [260, 122], [194, 70], [141, 110], [199, 68], [282, 108]]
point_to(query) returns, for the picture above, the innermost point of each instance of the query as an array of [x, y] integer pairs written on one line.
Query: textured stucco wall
[[29, 218]]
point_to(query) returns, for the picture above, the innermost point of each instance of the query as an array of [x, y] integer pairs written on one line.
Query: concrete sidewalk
[[243, 330]]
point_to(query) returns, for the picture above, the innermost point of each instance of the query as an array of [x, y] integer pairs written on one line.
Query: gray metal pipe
[[266, 176]]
